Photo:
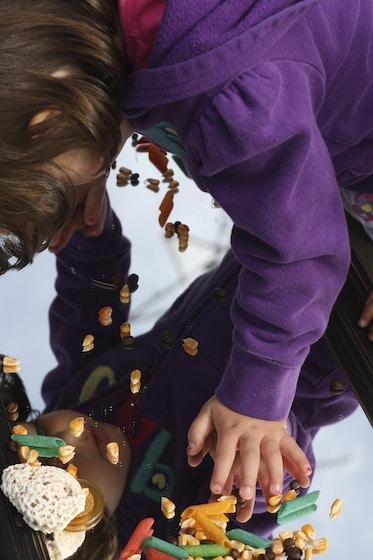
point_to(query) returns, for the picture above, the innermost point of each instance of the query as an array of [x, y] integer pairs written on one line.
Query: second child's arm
[[90, 273]]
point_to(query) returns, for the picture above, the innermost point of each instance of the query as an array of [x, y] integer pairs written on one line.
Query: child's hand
[[366, 317], [245, 450], [89, 214]]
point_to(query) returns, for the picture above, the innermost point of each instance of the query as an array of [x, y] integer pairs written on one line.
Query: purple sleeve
[[85, 282], [258, 150]]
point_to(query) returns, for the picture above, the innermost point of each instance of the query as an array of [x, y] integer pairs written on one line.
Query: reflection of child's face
[[90, 451]]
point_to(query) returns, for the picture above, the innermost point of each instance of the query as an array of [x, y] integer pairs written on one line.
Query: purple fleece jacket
[[174, 384], [270, 104]]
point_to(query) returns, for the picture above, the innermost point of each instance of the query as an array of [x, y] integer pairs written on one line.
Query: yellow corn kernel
[[66, 453], [275, 500], [286, 535], [309, 531], [72, 469], [167, 505], [320, 546], [135, 376], [77, 426], [112, 452], [125, 330], [191, 343], [32, 457], [88, 343], [19, 429], [24, 453], [290, 495], [336, 508]]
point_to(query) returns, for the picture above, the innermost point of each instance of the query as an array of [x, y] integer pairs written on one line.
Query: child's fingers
[[97, 226], [234, 476], [207, 448], [245, 511], [198, 438], [224, 456], [295, 461], [95, 204], [370, 298], [272, 458], [249, 448], [366, 316]]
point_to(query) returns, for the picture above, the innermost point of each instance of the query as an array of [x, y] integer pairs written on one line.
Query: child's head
[[90, 451], [62, 60], [101, 542]]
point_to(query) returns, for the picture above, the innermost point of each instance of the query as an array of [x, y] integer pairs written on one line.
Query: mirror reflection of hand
[[89, 214], [245, 451], [366, 317]]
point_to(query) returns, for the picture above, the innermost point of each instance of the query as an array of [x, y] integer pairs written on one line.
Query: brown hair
[[12, 390], [37, 39]]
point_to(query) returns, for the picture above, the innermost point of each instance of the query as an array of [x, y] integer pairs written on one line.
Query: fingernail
[[90, 220], [215, 489], [275, 489], [190, 448], [362, 323], [308, 470], [246, 493]]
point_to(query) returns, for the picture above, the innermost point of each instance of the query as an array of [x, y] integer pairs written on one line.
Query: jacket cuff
[[257, 387]]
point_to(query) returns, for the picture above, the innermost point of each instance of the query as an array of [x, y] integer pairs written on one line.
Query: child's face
[[81, 166], [90, 451], [84, 166]]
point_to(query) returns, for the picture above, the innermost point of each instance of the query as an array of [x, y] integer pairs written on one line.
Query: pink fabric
[[140, 20]]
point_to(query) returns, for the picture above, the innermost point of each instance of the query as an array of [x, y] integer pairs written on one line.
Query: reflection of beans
[[88, 343], [12, 407], [105, 315], [9, 364], [124, 294], [135, 381], [133, 282], [190, 346], [66, 453], [112, 452], [76, 426], [167, 508], [127, 342], [125, 330], [19, 429]]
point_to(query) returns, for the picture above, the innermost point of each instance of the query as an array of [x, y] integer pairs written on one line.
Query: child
[[269, 103]]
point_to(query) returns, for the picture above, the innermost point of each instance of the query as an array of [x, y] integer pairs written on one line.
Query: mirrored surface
[[344, 452]]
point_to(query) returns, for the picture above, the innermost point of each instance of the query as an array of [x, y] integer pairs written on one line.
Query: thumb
[[95, 203], [199, 440]]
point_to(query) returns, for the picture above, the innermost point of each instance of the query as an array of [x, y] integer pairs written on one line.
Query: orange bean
[[165, 208], [158, 158]]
